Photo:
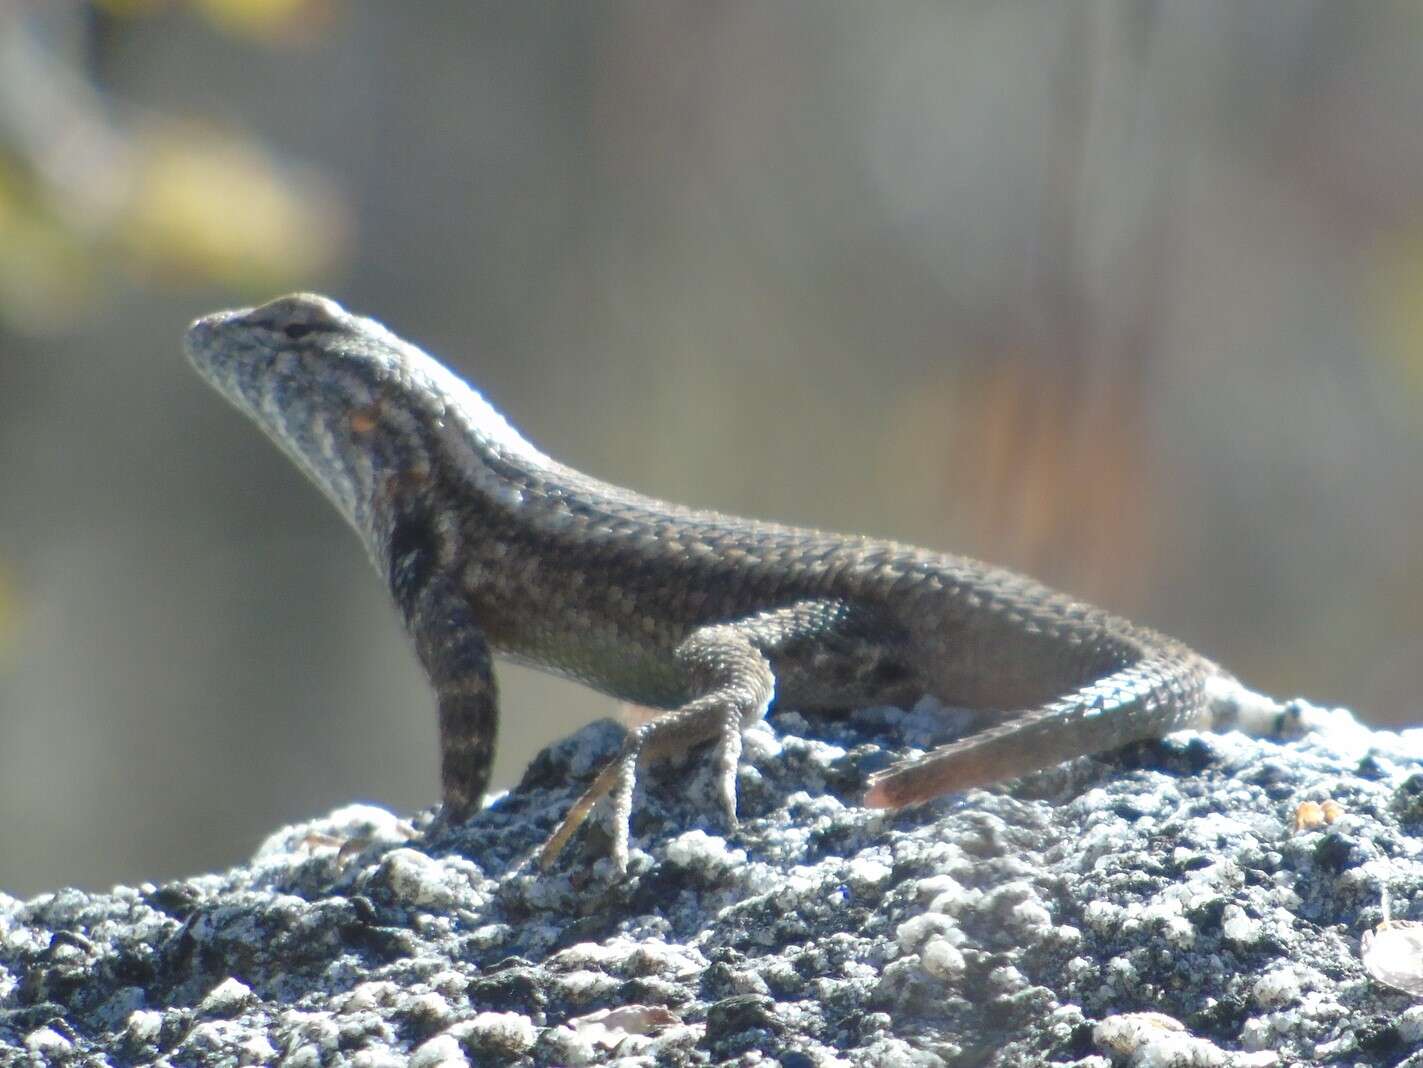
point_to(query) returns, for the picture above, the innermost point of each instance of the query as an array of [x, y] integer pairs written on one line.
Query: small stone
[[442, 1051]]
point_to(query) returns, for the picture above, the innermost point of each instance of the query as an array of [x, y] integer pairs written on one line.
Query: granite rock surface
[[1168, 905]]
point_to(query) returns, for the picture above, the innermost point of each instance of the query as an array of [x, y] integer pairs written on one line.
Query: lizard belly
[[645, 678]]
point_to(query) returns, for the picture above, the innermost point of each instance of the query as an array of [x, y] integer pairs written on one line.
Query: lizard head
[[364, 414]]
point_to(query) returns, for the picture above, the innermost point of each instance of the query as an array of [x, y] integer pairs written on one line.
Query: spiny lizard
[[489, 546]]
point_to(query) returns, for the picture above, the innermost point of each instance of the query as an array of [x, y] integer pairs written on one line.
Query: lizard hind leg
[[734, 685]]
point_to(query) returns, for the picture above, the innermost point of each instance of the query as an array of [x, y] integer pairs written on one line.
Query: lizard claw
[[728, 759], [616, 781]]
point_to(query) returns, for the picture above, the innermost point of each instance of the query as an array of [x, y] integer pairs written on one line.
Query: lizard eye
[[296, 331]]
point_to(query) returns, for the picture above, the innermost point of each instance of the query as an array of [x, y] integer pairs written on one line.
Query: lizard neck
[[441, 442]]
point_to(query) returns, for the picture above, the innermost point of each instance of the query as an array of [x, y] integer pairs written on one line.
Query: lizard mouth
[[207, 344]]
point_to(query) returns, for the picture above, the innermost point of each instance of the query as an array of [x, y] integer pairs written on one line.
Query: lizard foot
[[619, 778], [617, 781], [735, 684]]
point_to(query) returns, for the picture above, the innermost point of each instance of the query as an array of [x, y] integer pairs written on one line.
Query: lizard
[[491, 547]]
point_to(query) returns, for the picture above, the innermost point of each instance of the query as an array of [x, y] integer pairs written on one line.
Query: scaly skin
[[489, 546]]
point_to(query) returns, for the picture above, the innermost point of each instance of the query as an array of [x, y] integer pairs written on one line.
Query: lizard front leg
[[456, 658], [729, 670], [455, 655]]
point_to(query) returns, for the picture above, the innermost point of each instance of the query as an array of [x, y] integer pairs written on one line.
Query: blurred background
[[1125, 295]]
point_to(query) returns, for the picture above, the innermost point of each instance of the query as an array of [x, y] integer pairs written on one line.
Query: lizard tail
[[1148, 699]]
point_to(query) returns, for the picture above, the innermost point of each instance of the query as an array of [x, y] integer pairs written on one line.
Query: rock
[[1157, 906]]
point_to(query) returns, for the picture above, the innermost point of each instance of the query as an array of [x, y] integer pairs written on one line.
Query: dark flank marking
[[410, 560]]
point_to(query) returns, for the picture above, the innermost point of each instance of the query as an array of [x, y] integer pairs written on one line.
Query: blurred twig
[[92, 191]]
